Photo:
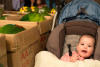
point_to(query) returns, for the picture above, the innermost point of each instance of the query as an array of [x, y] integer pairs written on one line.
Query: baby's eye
[[89, 46], [82, 44]]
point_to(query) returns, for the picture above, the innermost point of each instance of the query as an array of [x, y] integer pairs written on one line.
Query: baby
[[85, 49]]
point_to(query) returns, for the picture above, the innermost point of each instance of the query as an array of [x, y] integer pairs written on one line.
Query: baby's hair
[[88, 35]]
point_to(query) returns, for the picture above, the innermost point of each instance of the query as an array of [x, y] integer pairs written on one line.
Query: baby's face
[[85, 47]]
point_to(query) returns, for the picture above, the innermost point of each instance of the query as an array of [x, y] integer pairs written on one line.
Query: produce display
[[26, 9], [35, 14], [46, 9], [11, 29], [34, 17], [53, 11], [2, 17]]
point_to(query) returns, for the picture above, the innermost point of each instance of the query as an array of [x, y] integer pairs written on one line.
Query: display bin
[[44, 27], [24, 57], [21, 39], [23, 46], [12, 15]]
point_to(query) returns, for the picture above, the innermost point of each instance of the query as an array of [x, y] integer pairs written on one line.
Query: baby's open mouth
[[84, 51]]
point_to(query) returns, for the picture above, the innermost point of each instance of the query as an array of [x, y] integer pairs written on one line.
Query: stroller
[[82, 14], [56, 44], [57, 41]]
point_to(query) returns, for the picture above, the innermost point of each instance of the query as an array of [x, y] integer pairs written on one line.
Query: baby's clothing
[[67, 58]]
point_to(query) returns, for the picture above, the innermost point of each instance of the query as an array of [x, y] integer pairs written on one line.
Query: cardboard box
[[3, 52], [21, 39], [3, 61], [24, 57], [43, 26], [10, 12], [12, 15], [23, 46], [44, 39], [2, 45]]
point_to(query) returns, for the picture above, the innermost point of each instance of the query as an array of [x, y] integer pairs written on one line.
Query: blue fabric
[[71, 9], [48, 4], [53, 5]]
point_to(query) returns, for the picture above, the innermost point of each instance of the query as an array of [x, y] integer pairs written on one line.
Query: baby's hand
[[66, 57], [74, 57]]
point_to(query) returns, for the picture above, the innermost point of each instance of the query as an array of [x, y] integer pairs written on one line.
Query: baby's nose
[[85, 46]]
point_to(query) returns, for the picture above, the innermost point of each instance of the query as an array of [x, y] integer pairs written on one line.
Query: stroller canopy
[[70, 11]]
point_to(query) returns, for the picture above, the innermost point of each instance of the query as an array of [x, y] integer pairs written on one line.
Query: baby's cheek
[[91, 51]]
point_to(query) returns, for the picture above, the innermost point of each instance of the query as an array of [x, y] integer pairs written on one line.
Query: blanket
[[47, 59]]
